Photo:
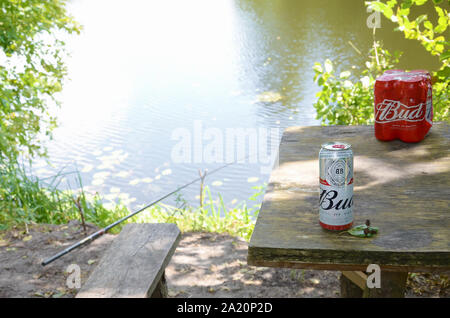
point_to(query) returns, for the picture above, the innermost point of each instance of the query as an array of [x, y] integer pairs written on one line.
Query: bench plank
[[134, 264]]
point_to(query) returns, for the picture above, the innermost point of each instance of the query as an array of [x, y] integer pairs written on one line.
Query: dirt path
[[204, 265]]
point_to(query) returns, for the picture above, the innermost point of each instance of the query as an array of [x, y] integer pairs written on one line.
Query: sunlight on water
[[142, 69]]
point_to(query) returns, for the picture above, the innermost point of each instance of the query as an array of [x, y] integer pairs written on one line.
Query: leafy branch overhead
[[31, 71], [421, 28], [347, 98]]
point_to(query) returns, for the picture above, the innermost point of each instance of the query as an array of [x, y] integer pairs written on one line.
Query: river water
[[150, 78]]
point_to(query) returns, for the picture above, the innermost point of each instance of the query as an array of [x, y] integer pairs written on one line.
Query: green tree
[[343, 101], [31, 72]]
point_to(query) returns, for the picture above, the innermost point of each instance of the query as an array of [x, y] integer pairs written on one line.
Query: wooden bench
[[134, 264]]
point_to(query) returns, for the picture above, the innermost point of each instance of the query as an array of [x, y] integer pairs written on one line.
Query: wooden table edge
[[294, 259], [344, 267]]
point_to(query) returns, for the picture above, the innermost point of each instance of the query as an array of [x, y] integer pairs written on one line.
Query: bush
[[346, 99], [31, 72]]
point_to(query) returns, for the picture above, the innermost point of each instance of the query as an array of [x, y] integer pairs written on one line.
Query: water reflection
[[141, 70]]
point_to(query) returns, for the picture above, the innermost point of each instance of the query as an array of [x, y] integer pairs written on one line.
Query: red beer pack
[[403, 105]]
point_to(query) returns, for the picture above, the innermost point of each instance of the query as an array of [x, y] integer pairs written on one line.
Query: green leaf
[[403, 12], [428, 25], [440, 28], [376, 5], [439, 11], [318, 67], [345, 74], [321, 81], [421, 18], [443, 23], [391, 3], [444, 72], [328, 66], [388, 12], [406, 4], [445, 55], [359, 231]]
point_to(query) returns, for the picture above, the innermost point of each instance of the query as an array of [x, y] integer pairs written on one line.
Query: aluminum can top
[[336, 146]]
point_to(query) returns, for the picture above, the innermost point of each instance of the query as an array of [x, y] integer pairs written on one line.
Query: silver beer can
[[336, 186]]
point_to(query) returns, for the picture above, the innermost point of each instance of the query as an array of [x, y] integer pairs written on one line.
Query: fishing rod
[[100, 232]]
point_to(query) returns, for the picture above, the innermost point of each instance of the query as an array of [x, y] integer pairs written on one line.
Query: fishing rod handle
[[74, 246]]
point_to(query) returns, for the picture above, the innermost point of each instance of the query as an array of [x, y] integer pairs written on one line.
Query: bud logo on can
[[336, 186]]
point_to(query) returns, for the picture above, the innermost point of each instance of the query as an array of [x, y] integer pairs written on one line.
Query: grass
[[214, 216], [26, 199]]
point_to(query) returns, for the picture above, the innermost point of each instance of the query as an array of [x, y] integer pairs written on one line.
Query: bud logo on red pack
[[403, 105], [390, 111]]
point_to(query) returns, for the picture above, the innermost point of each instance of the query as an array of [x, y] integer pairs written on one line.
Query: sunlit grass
[[26, 199]]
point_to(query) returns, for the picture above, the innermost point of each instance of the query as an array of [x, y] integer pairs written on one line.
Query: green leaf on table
[[363, 231]]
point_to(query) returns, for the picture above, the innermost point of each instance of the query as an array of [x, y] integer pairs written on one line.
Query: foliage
[[31, 71], [343, 101], [25, 199], [430, 35]]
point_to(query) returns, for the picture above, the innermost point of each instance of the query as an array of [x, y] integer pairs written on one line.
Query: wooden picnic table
[[404, 189]]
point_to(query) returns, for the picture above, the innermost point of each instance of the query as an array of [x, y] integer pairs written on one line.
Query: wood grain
[[134, 264], [358, 278], [404, 189]]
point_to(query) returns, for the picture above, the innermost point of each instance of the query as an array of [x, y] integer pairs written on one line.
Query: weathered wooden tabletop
[[404, 189]]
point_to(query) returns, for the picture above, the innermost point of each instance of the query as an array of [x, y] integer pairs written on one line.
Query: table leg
[[393, 285], [349, 289]]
